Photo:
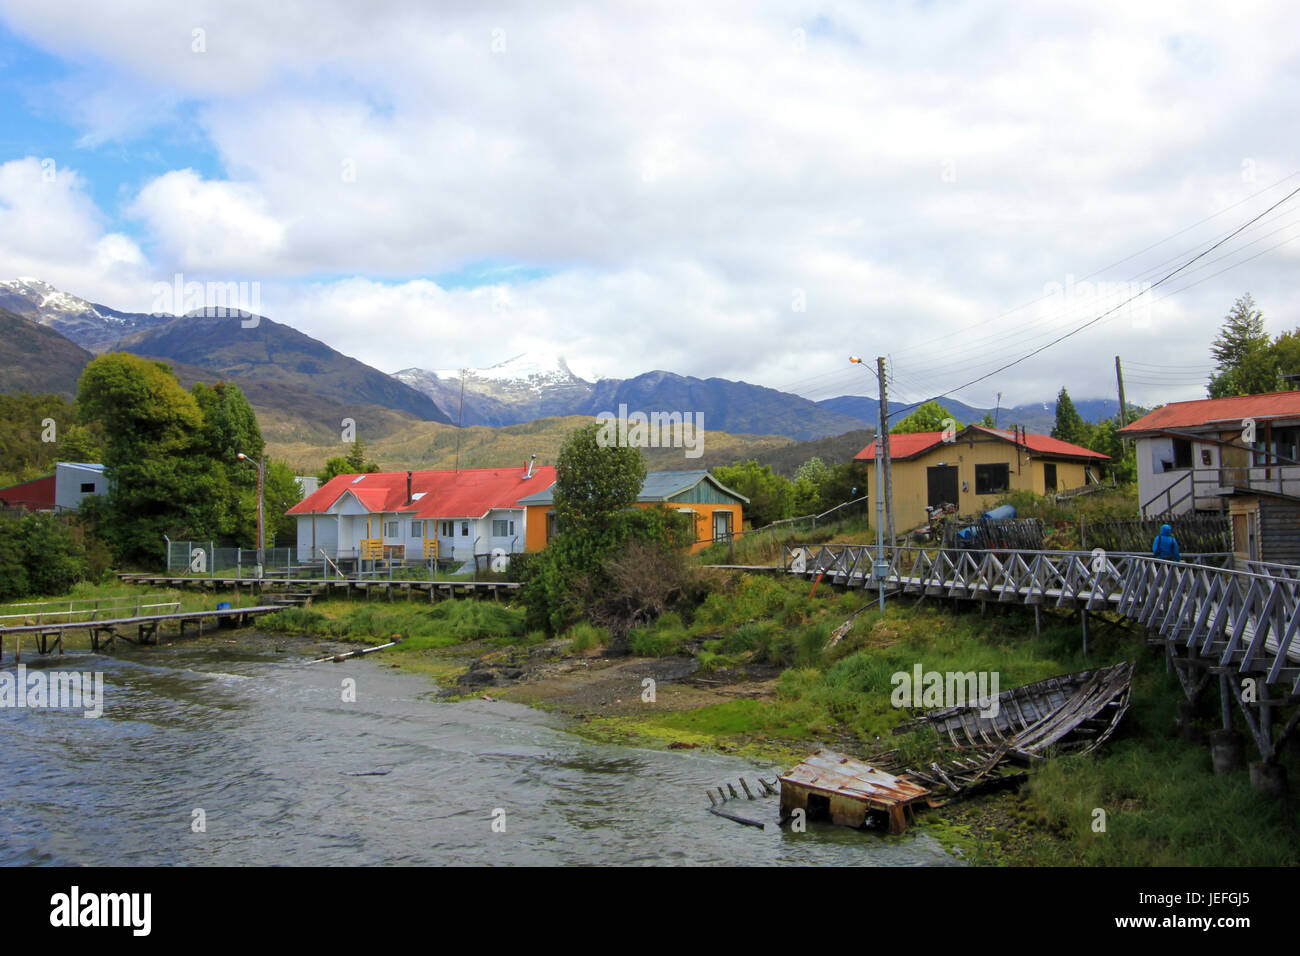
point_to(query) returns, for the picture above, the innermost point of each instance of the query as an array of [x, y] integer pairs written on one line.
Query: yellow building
[[972, 467], [717, 510]]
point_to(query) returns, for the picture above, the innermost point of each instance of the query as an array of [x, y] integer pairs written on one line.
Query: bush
[[585, 636]]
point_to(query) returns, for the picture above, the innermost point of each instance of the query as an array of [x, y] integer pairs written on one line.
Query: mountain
[[518, 390], [528, 387], [271, 353], [93, 327], [1036, 417], [37, 359], [734, 407]]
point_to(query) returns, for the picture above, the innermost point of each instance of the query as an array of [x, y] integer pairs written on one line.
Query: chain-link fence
[[203, 559]]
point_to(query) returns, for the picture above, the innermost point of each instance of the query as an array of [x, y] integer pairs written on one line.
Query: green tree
[[928, 417], [1070, 425], [1244, 357], [353, 463], [1286, 350], [810, 486], [987, 421], [158, 484], [771, 496], [595, 478]]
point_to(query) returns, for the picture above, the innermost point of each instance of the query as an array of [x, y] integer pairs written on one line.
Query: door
[[722, 526], [941, 485], [1049, 477]]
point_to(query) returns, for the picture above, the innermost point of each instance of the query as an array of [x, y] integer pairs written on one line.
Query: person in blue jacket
[[1166, 545]]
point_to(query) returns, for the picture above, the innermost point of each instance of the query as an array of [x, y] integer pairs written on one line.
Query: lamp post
[[880, 566], [261, 528]]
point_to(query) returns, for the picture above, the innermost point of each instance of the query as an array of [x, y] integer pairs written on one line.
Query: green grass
[[419, 627]]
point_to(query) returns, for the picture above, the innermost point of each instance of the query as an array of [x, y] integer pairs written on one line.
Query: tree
[[809, 486], [157, 483], [595, 479], [987, 421], [1245, 361], [928, 417], [354, 463], [1069, 423], [771, 496]]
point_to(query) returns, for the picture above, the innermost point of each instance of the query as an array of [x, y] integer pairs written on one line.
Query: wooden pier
[[106, 632], [1240, 629], [349, 588]]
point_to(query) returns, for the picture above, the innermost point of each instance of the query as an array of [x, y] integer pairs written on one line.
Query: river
[[262, 742]]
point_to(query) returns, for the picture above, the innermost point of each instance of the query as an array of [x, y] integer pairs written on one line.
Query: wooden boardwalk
[[332, 587], [49, 635], [1241, 627]]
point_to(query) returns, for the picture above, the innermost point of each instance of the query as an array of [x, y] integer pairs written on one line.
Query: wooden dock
[[105, 633], [349, 588]]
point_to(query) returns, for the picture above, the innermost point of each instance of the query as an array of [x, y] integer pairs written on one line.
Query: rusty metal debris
[[846, 789]]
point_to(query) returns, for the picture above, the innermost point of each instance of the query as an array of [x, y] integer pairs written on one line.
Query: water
[[262, 742]]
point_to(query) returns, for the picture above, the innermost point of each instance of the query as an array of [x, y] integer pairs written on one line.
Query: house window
[[1281, 450], [502, 528], [448, 529], [1049, 476], [464, 529], [87, 487], [1182, 453], [417, 529], [992, 479], [391, 529], [550, 525]]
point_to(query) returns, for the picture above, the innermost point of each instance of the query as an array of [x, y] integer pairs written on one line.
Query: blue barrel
[[223, 605], [1000, 513]]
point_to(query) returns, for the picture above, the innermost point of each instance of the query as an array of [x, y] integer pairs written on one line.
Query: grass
[[1162, 803], [419, 627]]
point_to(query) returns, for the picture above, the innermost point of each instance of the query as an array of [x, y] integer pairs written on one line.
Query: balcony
[[1202, 489]]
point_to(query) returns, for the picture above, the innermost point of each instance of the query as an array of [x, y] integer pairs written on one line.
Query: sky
[[749, 190]]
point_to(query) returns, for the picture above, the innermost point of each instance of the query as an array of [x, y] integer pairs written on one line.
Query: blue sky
[[752, 191]]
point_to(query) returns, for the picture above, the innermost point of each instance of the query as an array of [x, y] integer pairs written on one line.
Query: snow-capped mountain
[[517, 390], [94, 327]]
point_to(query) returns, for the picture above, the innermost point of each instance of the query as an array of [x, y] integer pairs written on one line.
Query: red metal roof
[[903, 446], [1212, 411], [34, 495], [468, 493], [916, 443]]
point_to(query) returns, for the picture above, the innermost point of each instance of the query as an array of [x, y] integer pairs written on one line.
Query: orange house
[[718, 511]]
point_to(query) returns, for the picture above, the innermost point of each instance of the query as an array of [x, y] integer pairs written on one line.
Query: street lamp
[[880, 566], [261, 529]]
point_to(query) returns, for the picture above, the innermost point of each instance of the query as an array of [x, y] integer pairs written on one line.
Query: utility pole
[[884, 450], [1123, 409]]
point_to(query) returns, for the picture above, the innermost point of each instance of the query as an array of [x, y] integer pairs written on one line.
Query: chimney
[[408, 487], [528, 474]]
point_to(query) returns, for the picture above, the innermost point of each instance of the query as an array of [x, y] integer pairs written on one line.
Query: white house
[[1192, 455], [417, 515]]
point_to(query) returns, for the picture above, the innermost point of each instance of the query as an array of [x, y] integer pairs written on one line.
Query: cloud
[[681, 177], [50, 228], [210, 227]]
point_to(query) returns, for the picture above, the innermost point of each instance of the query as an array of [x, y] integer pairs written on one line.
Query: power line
[[1159, 282]]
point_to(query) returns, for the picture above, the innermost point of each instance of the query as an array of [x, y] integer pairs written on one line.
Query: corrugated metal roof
[[447, 493], [658, 486], [829, 772], [1219, 411], [911, 445]]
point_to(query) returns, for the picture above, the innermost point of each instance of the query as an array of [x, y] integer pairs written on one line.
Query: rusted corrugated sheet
[[849, 788]]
